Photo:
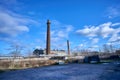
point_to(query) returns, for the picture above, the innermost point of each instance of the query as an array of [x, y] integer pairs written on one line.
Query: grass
[[109, 60], [9, 69]]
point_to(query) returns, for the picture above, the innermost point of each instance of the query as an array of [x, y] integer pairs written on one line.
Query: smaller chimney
[[68, 47]]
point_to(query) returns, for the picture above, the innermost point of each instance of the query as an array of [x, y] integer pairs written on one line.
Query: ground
[[109, 71]]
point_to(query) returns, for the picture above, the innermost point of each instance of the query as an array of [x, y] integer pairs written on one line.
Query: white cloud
[[59, 34], [114, 38], [11, 25], [115, 24], [90, 31], [55, 39], [60, 31], [93, 48], [113, 12], [81, 45], [38, 47], [95, 40], [104, 30], [56, 23], [69, 28], [58, 37], [38, 40]]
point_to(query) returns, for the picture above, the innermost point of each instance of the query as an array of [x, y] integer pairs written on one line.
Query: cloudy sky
[[85, 23]]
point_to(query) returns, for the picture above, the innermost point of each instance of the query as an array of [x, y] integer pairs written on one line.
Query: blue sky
[[87, 24]]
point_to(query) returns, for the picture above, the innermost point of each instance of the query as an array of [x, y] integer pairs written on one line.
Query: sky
[[87, 24]]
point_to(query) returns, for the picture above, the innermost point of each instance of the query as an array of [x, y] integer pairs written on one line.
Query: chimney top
[[48, 21]]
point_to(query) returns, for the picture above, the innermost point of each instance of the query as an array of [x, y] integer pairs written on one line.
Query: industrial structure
[[68, 47], [48, 38], [48, 50]]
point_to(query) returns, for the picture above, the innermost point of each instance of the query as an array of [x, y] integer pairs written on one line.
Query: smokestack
[[48, 38], [68, 47]]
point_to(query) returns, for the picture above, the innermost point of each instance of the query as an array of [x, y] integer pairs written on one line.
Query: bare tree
[[29, 53], [15, 50], [106, 48], [112, 49]]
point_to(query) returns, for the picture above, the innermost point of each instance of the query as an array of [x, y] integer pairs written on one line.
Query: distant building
[[38, 52], [57, 52], [117, 51]]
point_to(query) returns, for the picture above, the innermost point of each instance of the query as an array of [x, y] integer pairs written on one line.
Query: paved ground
[[67, 72]]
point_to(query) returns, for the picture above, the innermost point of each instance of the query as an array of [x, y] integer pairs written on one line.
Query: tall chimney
[[68, 47], [48, 38]]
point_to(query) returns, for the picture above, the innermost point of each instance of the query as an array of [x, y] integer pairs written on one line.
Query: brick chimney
[[48, 38]]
